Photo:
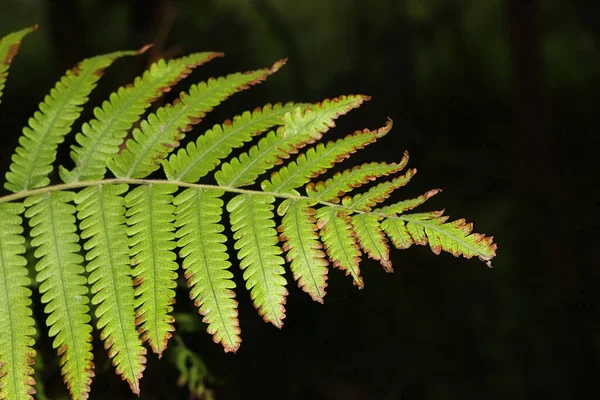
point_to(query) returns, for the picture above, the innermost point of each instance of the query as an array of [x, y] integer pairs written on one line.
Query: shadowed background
[[496, 102]]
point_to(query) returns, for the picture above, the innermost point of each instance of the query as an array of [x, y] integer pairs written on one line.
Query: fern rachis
[[126, 231]]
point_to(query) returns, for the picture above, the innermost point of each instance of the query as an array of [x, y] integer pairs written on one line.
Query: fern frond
[[33, 159], [371, 239], [161, 132], [342, 183], [132, 228], [298, 232], [339, 238], [100, 138], [16, 322], [300, 128], [9, 47], [206, 264], [319, 159], [375, 195], [63, 286], [407, 205], [150, 217], [201, 157], [260, 258], [453, 237], [101, 210], [308, 125]]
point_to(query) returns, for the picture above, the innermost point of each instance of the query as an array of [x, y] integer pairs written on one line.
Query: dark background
[[497, 103]]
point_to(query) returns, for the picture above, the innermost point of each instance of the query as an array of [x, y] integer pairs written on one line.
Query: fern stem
[[130, 181]]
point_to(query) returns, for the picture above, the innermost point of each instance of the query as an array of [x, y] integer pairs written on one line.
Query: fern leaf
[[33, 158], [150, 217], [375, 195], [372, 239], [101, 137], [342, 183], [63, 286], [206, 264], [396, 230], [162, 131], [300, 128], [256, 242], [407, 205], [204, 155], [319, 159], [101, 212], [454, 237], [298, 232], [311, 123], [9, 47], [16, 322], [339, 238]]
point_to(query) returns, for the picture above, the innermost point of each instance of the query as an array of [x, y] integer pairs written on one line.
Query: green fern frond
[[319, 159], [375, 195], [260, 257], [300, 128], [454, 237], [201, 157], [16, 324], [33, 159], [371, 239], [9, 47], [206, 264], [150, 215], [339, 239], [63, 286], [101, 210], [132, 227], [101, 137], [161, 132], [407, 205], [298, 232], [307, 126], [342, 183]]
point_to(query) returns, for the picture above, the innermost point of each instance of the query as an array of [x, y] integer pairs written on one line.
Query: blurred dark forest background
[[497, 103]]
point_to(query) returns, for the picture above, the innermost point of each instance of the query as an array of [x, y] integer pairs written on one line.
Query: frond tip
[[431, 228]]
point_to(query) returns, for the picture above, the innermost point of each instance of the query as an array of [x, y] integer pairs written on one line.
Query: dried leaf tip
[[145, 48], [277, 65]]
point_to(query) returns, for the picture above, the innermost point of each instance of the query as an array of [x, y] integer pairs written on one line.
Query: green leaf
[[101, 212], [150, 217], [300, 128], [453, 237], [375, 195], [16, 322], [101, 137], [161, 132], [298, 232], [342, 183], [407, 205], [260, 258], [203, 156], [33, 158], [339, 239], [372, 239], [319, 159], [397, 232], [63, 286], [206, 264]]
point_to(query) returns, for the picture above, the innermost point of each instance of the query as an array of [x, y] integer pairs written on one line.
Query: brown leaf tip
[[277, 65], [145, 48]]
